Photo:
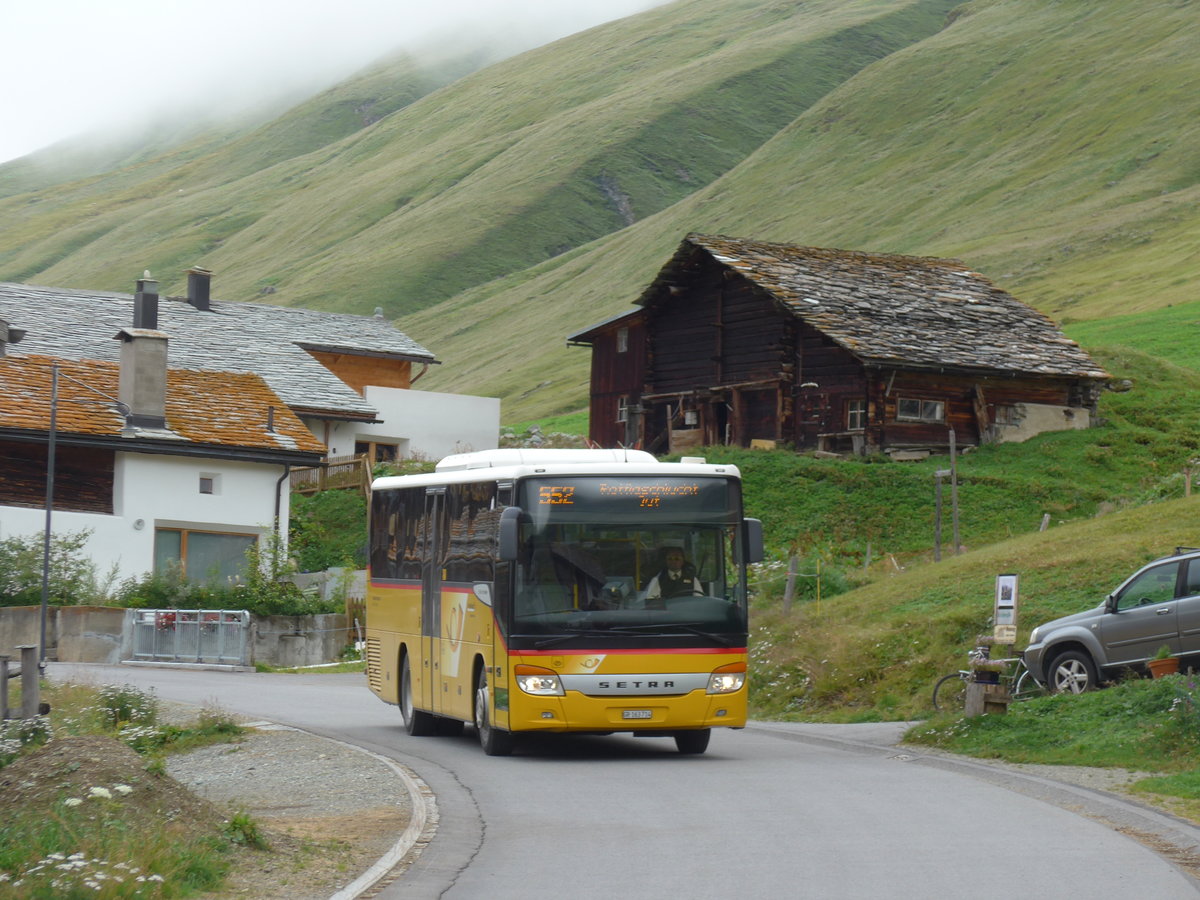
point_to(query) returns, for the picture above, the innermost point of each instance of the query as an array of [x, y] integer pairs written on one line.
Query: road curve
[[776, 810]]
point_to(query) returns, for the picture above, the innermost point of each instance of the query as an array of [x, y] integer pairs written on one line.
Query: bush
[[328, 529], [72, 577]]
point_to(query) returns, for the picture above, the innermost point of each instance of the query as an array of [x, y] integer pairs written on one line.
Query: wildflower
[[72, 801], [122, 789], [103, 793]]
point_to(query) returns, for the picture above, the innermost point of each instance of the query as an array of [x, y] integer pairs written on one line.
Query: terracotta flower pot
[[1160, 667]]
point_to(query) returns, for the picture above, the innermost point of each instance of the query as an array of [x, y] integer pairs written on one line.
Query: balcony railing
[[335, 474]]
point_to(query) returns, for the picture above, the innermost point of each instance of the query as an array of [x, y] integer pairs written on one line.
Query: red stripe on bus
[[643, 651]]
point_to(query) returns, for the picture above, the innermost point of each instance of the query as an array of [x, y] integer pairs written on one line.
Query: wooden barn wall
[[619, 373], [716, 331], [83, 477], [958, 392], [838, 377], [614, 375], [361, 371]]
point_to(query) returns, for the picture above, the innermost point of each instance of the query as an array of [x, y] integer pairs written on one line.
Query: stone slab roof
[[900, 311], [219, 409], [270, 341]]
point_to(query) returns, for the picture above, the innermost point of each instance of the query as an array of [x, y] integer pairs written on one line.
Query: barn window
[[208, 484], [622, 342], [910, 410], [622, 409], [856, 415]]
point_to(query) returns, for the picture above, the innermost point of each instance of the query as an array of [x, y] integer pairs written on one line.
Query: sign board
[[1006, 601], [1004, 634]]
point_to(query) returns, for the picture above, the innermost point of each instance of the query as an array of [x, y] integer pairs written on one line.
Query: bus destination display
[[647, 494]]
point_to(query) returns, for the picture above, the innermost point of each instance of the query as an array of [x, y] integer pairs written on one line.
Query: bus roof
[[488, 459], [509, 464]]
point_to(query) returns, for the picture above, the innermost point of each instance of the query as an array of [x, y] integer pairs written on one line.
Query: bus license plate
[[636, 714]]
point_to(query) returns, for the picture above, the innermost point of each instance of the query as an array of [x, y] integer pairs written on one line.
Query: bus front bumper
[[578, 712]]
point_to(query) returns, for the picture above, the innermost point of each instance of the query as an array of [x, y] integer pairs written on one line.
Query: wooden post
[[30, 699], [789, 590], [3, 688], [937, 517], [954, 493], [1045, 522]]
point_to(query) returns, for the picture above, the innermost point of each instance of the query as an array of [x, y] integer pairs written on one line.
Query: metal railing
[[219, 636]]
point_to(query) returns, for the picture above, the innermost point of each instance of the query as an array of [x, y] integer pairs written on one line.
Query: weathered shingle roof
[[904, 311], [220, 409], [270, 341]]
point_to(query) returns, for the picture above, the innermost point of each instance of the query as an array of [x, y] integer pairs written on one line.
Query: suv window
[[1192, 585], [1156, 585]]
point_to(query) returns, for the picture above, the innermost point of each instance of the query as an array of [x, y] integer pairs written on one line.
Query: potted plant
[[1163, 663]]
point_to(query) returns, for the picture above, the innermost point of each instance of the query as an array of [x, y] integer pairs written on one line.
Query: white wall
[[163, 491], [424, 423], [1036, 418]]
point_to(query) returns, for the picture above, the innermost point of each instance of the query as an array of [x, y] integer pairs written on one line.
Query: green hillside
[[1049, 144], [496, 172]]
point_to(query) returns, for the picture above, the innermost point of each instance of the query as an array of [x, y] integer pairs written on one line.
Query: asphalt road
[[770, 811]]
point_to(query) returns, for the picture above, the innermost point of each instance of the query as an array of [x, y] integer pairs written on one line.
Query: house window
[[202, 555], [856, 415], [208, 484], [910, 410], [622, 409], [623, 340]]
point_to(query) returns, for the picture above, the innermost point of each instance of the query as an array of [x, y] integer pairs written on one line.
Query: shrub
[[72, 577]]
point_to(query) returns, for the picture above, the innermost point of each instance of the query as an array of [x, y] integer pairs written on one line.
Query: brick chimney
[[142, 383], [145, 303], [199, 285]]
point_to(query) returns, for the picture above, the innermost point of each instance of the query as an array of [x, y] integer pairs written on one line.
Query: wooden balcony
[[337, 473]]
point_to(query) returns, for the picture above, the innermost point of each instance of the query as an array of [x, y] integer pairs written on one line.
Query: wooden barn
[[759, 344]]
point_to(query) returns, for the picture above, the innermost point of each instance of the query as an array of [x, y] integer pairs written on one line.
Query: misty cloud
[[75, 66]]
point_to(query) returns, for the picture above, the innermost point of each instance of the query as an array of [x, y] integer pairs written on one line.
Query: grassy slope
[[494, 173], [1051, 145]]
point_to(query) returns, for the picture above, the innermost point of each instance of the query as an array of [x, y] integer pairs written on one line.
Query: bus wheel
[[494, 741], [692, 741], [416, 723]]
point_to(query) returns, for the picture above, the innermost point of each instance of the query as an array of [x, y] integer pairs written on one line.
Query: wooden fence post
[[789, 590], [30, 685]]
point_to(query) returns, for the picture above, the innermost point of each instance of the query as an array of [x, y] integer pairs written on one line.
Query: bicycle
[[950, 691]]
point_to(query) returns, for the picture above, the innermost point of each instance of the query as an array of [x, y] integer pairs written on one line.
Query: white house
[[249, 393], [349, 378]]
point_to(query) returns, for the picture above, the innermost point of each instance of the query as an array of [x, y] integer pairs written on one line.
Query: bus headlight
[[727, 679], [538, 681]]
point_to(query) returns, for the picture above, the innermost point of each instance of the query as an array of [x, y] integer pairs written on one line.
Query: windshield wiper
[[690, 627], [572, 634]]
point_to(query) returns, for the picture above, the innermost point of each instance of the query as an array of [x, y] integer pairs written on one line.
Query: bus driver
[[678, 577]]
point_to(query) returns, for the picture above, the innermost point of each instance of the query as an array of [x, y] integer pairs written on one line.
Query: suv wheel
[[1071, 672]]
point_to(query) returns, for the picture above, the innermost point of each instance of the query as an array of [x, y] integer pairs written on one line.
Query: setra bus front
[[627, 603]]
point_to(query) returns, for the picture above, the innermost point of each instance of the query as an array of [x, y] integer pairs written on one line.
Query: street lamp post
[[51, 448]]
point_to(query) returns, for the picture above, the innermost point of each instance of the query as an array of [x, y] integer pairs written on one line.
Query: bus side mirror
[[754, 540], [510, 527]]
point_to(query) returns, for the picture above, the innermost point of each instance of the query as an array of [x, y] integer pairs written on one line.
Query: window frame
[[934, 416], [856, 410]]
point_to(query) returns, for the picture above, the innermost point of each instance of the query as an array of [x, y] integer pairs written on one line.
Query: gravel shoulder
[[329, 812]]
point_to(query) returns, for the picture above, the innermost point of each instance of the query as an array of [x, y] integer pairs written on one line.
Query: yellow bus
[[539, 591]]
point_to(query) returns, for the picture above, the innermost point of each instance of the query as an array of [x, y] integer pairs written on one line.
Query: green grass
[[110, 840]]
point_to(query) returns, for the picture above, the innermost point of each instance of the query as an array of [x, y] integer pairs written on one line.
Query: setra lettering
[[633, 685]]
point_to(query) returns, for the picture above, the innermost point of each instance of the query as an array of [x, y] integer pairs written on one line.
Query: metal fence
[[218, 636]]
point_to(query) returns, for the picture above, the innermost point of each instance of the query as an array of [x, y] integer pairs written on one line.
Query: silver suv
[[1159, 604]]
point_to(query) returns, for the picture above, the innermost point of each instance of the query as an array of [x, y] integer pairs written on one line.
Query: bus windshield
[[642, 557]]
